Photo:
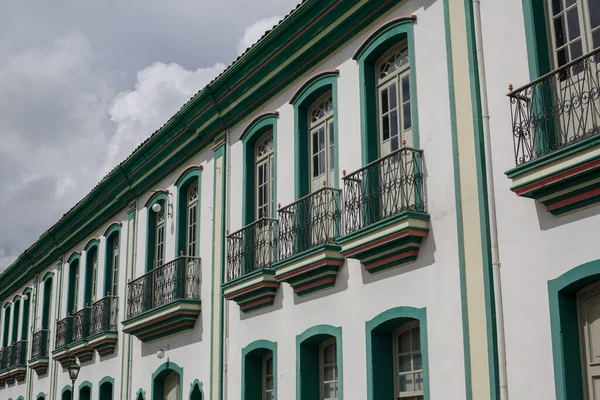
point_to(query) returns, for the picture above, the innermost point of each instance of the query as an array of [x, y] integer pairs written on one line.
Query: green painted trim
[[151, 223], [141, 392], [383, 223], [7, 317], [319, 332], [389, 321], [75, 256], [16, 309], [40, 396], [251, 275], [26, 312], [458, 204], [20, 398], [380, 41], [85, 384], [74, 262], [93, 242], [253, 132], [161, 373], [185, 180], [564, 327], [129, 271], [484, 215], [66, 388], [109, 235], [57, 305], [33, 298], [197, 384], [93, 245], [309, 92], [308, 253], [259, 348], [109, 379], [536, 38], [47, 276]]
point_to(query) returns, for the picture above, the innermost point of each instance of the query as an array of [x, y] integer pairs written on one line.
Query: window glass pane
[[269, 383], [315, 146], [329, 373], [329, 354], [393, 100], [331, 134], [559, 31], [596, 37], [321, 162], [405, 89], [594, 6], [394, 123], [315, 165], [394, 143], [270, 396], [556, 6], [416, 341], [386, 127], [404, 364], [576, 50], [406, 383], [418, 379], [561, 56], [569, 3], [384, 101], [321, 138], [404, 342], [407, 118], [331, 158], [417, 362], [573, 23]]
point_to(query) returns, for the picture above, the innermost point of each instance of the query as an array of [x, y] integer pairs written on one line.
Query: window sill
[[253, 291], [564, 181], [388, 243]]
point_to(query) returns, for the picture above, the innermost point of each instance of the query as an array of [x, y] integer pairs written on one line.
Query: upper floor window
[[192, 220], [264, 176], [111, 261], [159, 237], [114, 287], [394, 102], [574, 28], [94, 274], [75, 292], [322, 142], [408, 367], [328, 367]]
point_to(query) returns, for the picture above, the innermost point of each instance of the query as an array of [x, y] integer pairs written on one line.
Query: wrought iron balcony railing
[[39, 346], [18, 353], [81, 324], [178, 279], [63, 332], [5, 358], [312, 221], [251, 248], [557, 110], [384, 188], [104, 315]]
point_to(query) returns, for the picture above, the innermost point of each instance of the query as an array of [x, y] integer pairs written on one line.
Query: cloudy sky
[[82, 83]]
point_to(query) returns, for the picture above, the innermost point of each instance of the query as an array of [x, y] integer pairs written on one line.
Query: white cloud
[[255, 31], [160, 91]]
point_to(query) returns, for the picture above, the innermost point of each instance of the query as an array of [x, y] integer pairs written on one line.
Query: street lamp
[[73, 374]]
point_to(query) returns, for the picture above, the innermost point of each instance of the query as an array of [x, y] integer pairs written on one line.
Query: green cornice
[[282, 57]]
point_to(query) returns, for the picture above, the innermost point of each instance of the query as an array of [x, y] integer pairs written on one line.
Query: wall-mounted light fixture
[[156, 207], [160, 354]]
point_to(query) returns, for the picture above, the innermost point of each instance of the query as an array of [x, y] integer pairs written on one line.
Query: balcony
[[165, 300], [384, 211], [12, 362], [103, 325], [4, 365], [64, 334], [39, 352], [556, 136], [250, 254], [80, 328], [308, 256]]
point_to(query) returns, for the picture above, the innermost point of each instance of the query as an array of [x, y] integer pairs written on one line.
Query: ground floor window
[[259, 371]]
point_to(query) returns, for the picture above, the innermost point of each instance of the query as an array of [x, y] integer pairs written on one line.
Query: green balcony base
[[82, 350], [565, 181], [104, 342], [253, 291], [18, 373], [166, 320], [312, 270], [3, 377], [388, 243], [63, 356], [39, 365]]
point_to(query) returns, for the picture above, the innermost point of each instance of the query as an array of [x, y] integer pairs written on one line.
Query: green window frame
[[66, 393], [308, 376], [189, 177], [91, 272], [47, 298], [255, 131], [196, 391], [26, 310], [159, 376], [73, 283], [103, 388], [252, 369], [111, 264], [85, 390], [15, 318], [378, 43], [311, 90], [161, 197], [380, 334], [7, 316]]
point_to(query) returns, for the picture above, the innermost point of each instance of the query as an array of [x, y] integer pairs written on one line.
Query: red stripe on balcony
[[558, 177]]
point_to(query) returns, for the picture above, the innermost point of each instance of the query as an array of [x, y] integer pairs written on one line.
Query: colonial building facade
[[378, 200]]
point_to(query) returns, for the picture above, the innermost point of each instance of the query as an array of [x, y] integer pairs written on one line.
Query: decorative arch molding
[[196, 384], [160, 194], [40, 396], [93, 242], [141, 392], [258, 127], [85, 384], [7, 304], [48, 275], [252, 356], [188, 177], [20, 398], [310, 82], [16, 298], [66, 388], [309, 339], [112, 228], [75, 256], [27, 291], [314, 87], [106, 379], [564, 327], [379, 336], [160, 374], [384, 37]]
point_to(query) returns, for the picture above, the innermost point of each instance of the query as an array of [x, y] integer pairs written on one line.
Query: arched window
[[192, 220], [91, 273], [73, 287], [85, 391], [259, 371], [66, 394], [15, 318], [408, 367], [106, 389], [268, 384], [264, 176], [46, 301], [166, 382], [111, 269], [328, 369], [26, 299], [188, 206], [158, 207], [322, 142], [171, 390], [6, 333]]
